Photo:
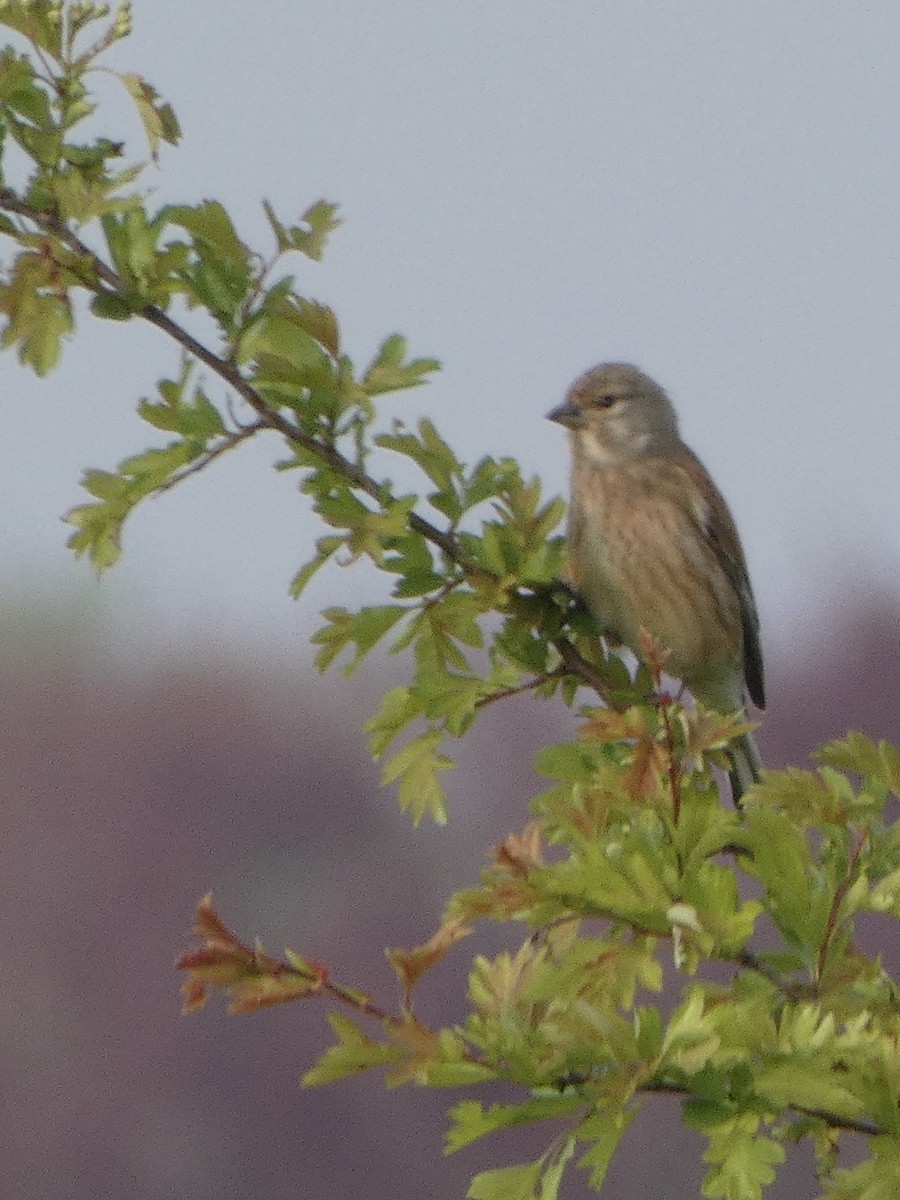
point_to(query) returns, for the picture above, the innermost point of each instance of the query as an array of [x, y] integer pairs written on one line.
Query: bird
[[652, 545]]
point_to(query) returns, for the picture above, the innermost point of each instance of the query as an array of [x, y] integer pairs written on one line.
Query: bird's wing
[[722, 537]]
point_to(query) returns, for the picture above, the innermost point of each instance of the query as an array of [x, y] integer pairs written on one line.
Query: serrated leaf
[[428, 450], [855, 752], [354, 1052], [217, 273], [110, 306], [35, 303], [132, 238], [399, 706], [96, 535], [40, 22], [20, 89], [273, 336], [326, 548], [471, 1120], [809, 1083], [459, 1074], [99, 526], [604, 1130], [157, 116], [183, 410], [417, 768], [797, 896], [388, 371], [363, 629], [553, 1172], [411, 559], [310, 236], [210, 224], [508, 1183], [744, 1162], [320, 322], [568, 762], [878, 1178]]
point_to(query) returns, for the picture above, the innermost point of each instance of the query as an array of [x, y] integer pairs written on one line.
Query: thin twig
[[839, 894], [576, 664], [796, 991], [674, 769], [528, 686], [850, 1124], [229, 441]]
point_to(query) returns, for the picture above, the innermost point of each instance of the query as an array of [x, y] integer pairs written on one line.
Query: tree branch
[[228, 442], [528, 686], [848, 1124], [227, 371], [796, 991]]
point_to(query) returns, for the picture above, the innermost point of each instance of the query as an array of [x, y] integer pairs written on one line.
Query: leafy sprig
[[615, 893]]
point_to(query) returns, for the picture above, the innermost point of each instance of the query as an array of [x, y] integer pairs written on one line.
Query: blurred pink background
[[127, 795]]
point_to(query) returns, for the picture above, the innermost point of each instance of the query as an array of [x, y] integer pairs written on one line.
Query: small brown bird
[[652, 544]]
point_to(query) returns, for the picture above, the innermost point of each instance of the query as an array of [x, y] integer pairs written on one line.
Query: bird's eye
[[604, 400]]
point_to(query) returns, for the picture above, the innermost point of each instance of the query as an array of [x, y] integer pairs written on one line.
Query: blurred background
[[528, 189]]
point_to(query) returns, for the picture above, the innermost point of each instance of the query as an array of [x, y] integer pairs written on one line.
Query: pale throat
[[614, 447]]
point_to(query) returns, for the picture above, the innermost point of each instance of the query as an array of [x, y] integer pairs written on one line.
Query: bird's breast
[[640, 558]]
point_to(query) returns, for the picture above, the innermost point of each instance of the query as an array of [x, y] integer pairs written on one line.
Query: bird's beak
[[567, 414]]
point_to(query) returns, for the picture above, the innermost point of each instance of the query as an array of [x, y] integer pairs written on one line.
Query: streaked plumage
[[652, 543]]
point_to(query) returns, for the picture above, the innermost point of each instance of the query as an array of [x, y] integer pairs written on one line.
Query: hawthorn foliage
[[629, 869]]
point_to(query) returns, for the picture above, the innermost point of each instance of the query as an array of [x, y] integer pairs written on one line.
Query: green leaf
[[428, 450], [363, 629], [39, 21], [210, 224], [182, 409], [326, 548], [855, 752], [320, 322], [809, 1082], [133, 243], [568, 762], [311, 235], [35, 303], [275, 336], [354, 1052], [218, 269], [530, 1181], [743, 1162], [388, 371], [451, 698], [459, 1074], [411, 558], [399, 707], [878, 1178], [604, 1130], [39, 326], [98, 527], [553, 1173], [157, 116], [470, 1120], [797, 895], [110, 306], [20, 89], [418, 767], [508, 1183]]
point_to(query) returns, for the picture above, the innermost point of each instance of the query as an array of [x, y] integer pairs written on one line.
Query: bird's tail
[[746, 766]]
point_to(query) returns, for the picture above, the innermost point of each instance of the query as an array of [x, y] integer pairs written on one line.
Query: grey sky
[[707, 189]]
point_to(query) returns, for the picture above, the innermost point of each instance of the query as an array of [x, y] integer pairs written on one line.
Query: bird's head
[[615, 412]]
